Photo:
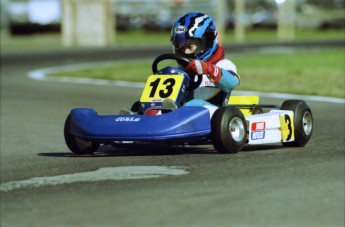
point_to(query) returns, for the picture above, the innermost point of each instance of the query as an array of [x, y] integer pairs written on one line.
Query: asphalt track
[[260, 186]]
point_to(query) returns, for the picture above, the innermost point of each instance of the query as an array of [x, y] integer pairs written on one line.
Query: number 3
[[288, 121]]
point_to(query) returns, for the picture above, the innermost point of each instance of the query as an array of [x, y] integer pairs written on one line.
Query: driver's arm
[[223, 75]]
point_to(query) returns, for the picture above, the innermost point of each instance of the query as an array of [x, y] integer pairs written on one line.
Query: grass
[[130, 38], [308, 73]]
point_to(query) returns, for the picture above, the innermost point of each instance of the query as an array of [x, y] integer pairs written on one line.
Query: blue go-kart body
[[183, 124], [85, 130]]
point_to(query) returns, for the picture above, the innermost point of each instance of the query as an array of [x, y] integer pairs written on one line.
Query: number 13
[[167, 89]]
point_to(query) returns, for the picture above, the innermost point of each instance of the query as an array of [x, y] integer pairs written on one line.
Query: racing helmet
[[195, 28]]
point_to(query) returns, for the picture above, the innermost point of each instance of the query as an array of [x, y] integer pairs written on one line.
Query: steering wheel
[[181, 60], [193, 84]]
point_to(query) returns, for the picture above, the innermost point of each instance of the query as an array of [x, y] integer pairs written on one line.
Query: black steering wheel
[[181, 60]]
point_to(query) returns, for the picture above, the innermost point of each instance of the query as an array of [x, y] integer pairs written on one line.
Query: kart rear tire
[[76, 145], [228, 130], [303, 122]]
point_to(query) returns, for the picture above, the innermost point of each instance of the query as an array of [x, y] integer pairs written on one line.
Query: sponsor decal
[[258, 130], [258, 135], [180, 29], [209, 83], [216, 72], [127, 119], [258, 126], [152, 112]]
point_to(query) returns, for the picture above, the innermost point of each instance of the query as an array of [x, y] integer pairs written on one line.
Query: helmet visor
[[188, 47]]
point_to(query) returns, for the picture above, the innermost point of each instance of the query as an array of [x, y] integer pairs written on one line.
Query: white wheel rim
[[237, 129], [307, 123]]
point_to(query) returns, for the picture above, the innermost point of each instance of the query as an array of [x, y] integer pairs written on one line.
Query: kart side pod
[[291, 125]]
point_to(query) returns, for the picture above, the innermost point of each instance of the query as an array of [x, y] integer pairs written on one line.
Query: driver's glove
[[197, 67]]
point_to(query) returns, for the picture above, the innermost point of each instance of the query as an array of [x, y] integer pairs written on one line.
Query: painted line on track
[[43, 75], [102, 174]]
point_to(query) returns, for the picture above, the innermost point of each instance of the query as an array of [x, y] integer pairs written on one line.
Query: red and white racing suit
[[213, 95]]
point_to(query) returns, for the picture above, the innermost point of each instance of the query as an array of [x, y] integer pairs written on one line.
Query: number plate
[[160, 87], [287, 127]]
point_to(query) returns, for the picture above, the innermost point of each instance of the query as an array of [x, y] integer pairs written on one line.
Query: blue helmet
[[196, 28]]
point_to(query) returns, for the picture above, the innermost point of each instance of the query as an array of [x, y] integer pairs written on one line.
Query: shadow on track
[[108, 151]]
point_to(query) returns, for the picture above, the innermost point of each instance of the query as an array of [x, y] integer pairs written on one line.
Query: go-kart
[[242, 121]]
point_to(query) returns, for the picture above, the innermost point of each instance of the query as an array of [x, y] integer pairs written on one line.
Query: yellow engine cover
[[244, 100]]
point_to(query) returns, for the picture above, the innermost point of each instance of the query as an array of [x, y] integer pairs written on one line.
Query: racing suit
[[209, 94]]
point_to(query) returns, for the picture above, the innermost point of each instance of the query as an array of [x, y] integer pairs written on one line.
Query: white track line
[[43, 74], [102, 174]]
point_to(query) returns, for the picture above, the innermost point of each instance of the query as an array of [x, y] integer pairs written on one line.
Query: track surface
[[260, 186]]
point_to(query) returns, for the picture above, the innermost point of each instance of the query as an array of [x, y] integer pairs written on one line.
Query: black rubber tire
[[228, 130], [303, 122], [76, 145]]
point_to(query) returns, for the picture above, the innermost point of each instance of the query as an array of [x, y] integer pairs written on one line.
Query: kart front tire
[[228, 130], [76, 145], [303, 122]]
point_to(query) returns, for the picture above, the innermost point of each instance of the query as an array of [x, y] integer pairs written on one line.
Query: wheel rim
[[237, 129], [307, 123]]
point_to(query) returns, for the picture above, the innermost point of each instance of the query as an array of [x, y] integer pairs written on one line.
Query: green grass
[[141, 38], [309, 73]]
